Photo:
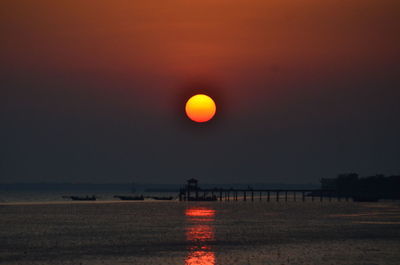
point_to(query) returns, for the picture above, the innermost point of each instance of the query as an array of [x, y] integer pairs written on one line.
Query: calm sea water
[[193, 233]]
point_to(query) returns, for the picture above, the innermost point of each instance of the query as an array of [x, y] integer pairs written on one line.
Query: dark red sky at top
[[92, 90]]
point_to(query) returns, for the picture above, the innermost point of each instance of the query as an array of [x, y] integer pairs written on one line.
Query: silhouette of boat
[[163, 198], [130, 198], [365, 198], [79, 198], [211, 198]]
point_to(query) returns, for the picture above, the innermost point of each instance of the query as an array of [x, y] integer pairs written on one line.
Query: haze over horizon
[[94, 91]]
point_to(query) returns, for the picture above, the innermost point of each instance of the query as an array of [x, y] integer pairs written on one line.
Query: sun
[[200, 108]]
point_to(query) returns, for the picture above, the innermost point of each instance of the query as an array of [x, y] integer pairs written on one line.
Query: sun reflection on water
[[200, 258], [200, 233]]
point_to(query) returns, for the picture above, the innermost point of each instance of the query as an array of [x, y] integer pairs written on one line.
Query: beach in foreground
[[200, 233]]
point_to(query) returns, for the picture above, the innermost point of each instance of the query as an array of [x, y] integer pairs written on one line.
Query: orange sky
[[226, 42]]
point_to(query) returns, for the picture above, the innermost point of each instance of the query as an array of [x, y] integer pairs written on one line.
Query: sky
[[94, 91]]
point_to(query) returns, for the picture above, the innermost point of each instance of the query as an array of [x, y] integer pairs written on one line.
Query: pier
[[192, 192]]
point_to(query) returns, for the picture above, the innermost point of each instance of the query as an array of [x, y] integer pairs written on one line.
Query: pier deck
[[191, 192]]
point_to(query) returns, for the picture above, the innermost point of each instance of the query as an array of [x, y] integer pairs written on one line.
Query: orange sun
[[200, 108]]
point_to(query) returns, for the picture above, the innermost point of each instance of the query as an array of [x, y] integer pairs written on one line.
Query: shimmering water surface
[[200, 233]]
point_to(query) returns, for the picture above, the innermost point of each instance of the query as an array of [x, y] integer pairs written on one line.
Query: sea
[[47, 229]]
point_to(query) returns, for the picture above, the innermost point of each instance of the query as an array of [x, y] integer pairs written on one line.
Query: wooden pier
[[194, 193]]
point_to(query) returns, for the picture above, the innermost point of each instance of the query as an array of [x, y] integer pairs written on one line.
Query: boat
[[365, 198], [162, 198], [210, 198], [79, 198], [130, 198]]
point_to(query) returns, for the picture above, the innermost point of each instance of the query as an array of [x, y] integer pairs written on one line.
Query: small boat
[[162, 198], [130, 198], [211, 198], [365, 198], [79, 198]]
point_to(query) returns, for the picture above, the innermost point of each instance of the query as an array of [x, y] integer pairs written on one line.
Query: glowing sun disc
[[200, 108]]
